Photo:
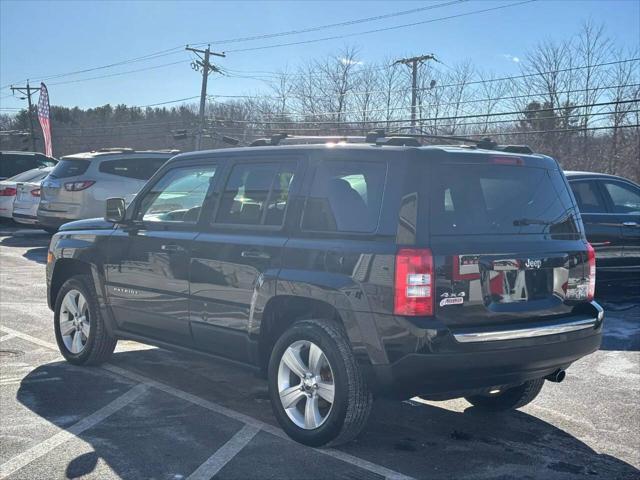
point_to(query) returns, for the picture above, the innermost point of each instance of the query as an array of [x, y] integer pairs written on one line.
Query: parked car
[[27, 199], [610, 209], [8, 188], [80, 184], [342, 272], [13, 163]]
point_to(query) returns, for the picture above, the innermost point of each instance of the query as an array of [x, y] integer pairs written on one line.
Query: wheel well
[[282, 312], [65, 269]]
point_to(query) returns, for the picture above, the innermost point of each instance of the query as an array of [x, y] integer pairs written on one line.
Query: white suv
[[79, 185]]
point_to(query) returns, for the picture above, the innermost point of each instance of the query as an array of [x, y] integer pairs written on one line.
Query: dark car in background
[[610, 210], [341, 272], [13, 163]]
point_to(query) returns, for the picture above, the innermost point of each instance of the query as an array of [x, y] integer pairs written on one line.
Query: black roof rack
[[380, 137]]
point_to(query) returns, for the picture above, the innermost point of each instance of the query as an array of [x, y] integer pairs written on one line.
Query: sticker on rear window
[[451, 301]]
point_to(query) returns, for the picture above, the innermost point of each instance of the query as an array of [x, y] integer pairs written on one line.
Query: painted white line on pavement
[[29, 338], [224, 454], [37, 451], [6, 337], [241, 417]]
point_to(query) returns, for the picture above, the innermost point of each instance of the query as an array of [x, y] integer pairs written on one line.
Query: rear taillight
[[77, 186], [8, 192], [414, 282], [591, 256], [35, 192]]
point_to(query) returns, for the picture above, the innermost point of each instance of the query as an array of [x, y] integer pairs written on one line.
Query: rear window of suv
[[499, 199], [68, 167]]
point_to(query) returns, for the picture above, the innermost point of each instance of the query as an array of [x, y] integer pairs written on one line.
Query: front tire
[[509, 399], [80, 331], [317, 391]]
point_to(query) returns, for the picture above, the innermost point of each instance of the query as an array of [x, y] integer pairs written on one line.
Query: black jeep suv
[[342, 272]]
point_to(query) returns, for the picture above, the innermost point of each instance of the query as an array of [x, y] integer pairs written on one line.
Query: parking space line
[[6, 337], [214, 407], [224, 454], [37, 451]]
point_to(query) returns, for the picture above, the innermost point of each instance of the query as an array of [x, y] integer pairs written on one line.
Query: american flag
[[43, 116]]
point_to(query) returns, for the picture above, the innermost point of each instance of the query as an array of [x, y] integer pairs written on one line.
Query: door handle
[[630, 224], [172, 248], [256, 254]]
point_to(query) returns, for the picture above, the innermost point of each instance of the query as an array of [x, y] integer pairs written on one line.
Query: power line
[[420, 105], [332, 25], [153, 67], [377, 30], [482, 115], [177, 49], [150, 56]]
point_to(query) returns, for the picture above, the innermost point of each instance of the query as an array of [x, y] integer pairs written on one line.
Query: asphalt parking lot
[[152, 413]]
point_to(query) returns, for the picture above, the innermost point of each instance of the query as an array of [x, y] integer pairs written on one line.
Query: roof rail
[[375, 137], [485, 143], [115, 149]]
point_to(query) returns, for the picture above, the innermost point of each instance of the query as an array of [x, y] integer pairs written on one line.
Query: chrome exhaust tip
[[557, 376]]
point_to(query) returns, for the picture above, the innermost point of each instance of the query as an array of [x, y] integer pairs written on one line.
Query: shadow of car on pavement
[[417, 439]]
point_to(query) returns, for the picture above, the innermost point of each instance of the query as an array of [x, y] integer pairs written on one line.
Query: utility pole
[[414, 62], [206, 67], [28, 91]]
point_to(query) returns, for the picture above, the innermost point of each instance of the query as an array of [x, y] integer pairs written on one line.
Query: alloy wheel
[[306, 384], [74, 321]]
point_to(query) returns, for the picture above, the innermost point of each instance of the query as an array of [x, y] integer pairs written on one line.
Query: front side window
[[256, 194], [178, 196], [625, 198], [345, 197]]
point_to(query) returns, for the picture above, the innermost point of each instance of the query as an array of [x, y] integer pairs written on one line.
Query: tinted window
[[138, 168], [588, 197], [494, 199], [13, 164], [625, 198], [345, 197], [178, 196], [256, 194], [70, 168]]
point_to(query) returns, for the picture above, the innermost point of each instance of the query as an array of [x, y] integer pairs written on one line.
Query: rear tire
[[80, 330], [323, 343], [509, 399]]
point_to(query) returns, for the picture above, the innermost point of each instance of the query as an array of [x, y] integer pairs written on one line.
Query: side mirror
[[116, 210]]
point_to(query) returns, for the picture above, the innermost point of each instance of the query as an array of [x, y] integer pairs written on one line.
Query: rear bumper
[[24, 218], [461, 368], [52, 222]]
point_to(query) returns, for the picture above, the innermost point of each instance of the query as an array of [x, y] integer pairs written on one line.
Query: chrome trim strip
[[490, 336]]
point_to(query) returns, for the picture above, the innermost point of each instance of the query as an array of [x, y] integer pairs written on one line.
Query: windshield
[[69, 168], [500, 199]]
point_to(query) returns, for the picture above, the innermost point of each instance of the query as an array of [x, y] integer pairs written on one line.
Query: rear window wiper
[[521, 222]]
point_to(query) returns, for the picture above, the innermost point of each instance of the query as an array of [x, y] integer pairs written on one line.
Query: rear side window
[[499, 199], [345, 196], [256, 194], [138, 168], [70, 168], [625, 198], [588, 197]]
